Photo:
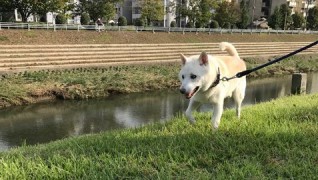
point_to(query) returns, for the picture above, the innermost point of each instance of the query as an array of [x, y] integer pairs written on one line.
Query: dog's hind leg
[[193, 105], [238, 96]]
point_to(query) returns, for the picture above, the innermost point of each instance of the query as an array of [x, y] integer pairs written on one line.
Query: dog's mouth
[[189, 95]]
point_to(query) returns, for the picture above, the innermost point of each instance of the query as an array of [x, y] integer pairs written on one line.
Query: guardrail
[[78, 27]]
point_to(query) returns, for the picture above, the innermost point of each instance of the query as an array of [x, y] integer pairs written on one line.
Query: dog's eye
[[182, 76], [193, 76]]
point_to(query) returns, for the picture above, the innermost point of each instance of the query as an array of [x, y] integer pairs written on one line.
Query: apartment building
[[264, 8], [131, 9]]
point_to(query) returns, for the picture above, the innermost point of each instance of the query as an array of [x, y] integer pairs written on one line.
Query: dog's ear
[[203, 58], [183, 59]]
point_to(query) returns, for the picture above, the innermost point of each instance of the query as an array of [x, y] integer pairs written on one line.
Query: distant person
[[99, 24]]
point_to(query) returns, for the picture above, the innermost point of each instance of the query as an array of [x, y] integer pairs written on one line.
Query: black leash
[[246, 72]]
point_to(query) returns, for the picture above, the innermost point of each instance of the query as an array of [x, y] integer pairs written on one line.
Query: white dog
[[201, 81]]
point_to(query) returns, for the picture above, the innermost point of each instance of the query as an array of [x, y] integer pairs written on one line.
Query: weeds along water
[[98, 82]]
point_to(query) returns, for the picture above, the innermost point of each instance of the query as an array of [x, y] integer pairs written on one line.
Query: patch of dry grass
[[132, 37]]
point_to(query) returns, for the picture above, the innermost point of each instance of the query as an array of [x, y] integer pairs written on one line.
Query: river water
[[45, 122]]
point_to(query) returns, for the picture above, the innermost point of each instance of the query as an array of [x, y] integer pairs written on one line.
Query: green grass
[[273, 140]]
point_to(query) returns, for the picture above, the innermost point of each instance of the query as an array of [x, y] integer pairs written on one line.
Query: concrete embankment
[[15, 58]]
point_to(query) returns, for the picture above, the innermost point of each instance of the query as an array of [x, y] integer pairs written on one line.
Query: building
[[131, 9], [264, 8]]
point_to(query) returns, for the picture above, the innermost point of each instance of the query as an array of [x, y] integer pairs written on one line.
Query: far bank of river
[[95, 83]]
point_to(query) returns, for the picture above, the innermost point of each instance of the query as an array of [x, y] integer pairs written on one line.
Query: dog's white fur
[[200, 72]]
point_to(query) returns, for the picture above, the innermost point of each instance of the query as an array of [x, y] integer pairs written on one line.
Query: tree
[[214, 24], [312, 19], [60, 19], [151, 10], [275, 20], [122, 21], [181, 11], [85, 19], [227, 13], [298, 20], [287, 20], [44, 6], [244, 14], [173, 24], [27, 7], [6, 11], [24, 7], [97, 8], [309, 2], [203, 13], [139, 22]]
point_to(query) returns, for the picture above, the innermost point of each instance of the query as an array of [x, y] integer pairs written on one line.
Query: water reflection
[[41, 123]]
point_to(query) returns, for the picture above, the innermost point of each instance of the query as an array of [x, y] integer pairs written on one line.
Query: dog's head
[[194, 74]]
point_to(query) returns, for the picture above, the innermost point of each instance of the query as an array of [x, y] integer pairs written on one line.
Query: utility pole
[[252, 19]]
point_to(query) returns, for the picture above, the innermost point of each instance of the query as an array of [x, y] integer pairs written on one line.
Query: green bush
[[122, 21], [43, 18], [189, 25], [214, 24], [139, 22], [198, 24], [173, 24], [60, 19], [85, 19], [227, 25]]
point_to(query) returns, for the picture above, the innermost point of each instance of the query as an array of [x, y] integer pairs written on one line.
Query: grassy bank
[[272, 140], [126, 37], [32, 87]]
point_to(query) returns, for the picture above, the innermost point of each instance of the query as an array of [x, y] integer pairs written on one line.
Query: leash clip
[[227, 79]]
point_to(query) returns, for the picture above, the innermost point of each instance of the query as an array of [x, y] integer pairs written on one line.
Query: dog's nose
[[182, 91]]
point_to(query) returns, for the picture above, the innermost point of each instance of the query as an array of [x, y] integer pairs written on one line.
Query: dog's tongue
[[188, 96]]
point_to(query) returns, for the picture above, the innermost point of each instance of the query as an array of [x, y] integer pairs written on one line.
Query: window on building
[[137, 10]]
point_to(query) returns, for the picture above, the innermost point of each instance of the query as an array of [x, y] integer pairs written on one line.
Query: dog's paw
[[192, 121], [215, 126]]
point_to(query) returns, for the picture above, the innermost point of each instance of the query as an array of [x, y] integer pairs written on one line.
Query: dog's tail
[[229, 48]]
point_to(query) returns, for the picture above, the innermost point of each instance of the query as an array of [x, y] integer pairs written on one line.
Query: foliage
[[58, 6], [276, 19], [181, 11], [60, 19], [173, 24], [298, 20], [244, 15], [203, 14], [139, 22], [312, 19], [287, 20], [214, 24], [7, 16], [189, 25], [122, 21], [25, 7], [227, 13], [28, 7], [97, 9], [151, 11], [227, 25], [85, 19]]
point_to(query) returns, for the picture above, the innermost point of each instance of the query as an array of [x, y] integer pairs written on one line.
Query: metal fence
[[55, 27]]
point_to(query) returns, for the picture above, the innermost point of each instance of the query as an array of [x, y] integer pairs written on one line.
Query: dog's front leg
[[217, 113], [193, 105]]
